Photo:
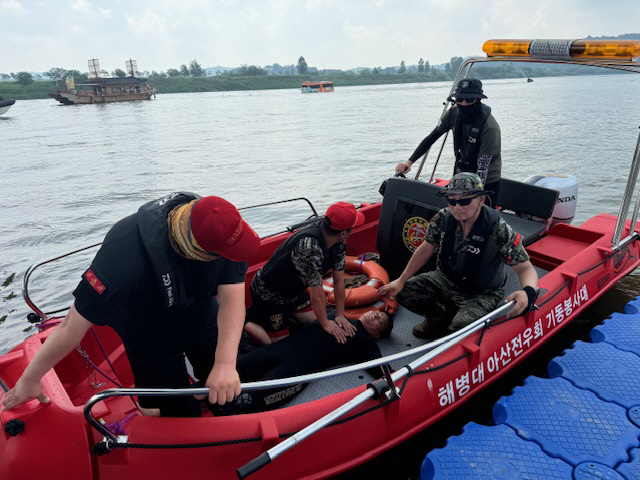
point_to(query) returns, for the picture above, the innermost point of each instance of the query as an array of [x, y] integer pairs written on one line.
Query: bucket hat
[[468, 88], [464, 183]]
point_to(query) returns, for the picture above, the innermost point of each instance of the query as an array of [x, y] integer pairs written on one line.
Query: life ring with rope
[[364, 294]]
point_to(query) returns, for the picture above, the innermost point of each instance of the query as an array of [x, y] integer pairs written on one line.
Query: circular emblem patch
[[413, 232]]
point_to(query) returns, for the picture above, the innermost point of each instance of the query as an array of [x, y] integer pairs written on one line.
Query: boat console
[[408, 206]]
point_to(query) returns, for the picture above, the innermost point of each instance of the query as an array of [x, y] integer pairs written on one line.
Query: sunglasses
[[463, 202], [468, 100]]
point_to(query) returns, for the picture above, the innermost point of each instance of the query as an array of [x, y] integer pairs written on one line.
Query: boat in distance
[[5, 105], [105, 90], [316, 87], [422, 381]]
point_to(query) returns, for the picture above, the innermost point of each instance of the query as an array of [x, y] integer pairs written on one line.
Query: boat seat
[[529, 229], [527, 208]]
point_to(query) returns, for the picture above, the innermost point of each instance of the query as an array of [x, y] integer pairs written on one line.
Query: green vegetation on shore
[[228, 82], [193, 78], [37, 89], [220, 83], [269, 82]]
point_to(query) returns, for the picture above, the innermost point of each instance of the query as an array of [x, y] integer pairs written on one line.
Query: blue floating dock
[[582, 423], [482, 453]]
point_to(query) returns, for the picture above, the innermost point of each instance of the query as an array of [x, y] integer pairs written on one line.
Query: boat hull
[[71, 98], [581, 269], [5, 105]]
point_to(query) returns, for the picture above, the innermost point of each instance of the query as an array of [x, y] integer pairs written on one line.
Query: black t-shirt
[[309, 350], [121, 282]]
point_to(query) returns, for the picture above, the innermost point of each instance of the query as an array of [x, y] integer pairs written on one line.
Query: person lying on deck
[[310, 350], [473, 244]]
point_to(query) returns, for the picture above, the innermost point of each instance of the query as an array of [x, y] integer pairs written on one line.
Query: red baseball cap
[[219, 229], [343, 216]]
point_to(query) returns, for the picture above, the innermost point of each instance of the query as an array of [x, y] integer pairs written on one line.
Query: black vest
[[478, 267], [467, 148], [154, 234], [279, 273]]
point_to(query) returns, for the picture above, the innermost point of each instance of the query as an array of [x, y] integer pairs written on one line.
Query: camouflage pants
[[434, 296]]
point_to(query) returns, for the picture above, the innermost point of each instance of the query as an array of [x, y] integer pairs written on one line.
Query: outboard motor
[[567, 186]]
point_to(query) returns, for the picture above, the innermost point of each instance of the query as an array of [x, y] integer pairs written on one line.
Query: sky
[[160, 34]]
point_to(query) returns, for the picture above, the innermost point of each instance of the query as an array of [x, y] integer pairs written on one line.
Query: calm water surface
[[69, 172]]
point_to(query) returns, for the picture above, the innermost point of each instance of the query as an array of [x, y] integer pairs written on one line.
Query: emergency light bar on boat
[[565, 49]]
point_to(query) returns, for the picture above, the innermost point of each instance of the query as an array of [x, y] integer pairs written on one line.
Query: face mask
[[468, 113]]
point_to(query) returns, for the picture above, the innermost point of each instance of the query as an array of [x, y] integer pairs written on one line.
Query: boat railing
[[313, 216], [431, 350], [616, 241], [27, 276], [45, 315]]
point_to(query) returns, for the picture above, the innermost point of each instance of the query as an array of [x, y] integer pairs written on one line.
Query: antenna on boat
[[94, 68], [132, 67]]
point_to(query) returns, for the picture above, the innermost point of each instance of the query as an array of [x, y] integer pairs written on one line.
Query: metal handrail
[[32, 268], [634, 215], [450, 340], [266, 457], [626, 200], [45, 315], [283, 201]]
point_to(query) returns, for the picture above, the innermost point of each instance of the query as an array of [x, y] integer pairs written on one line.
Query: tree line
[[301, 68], [194, 69], [423, 69]]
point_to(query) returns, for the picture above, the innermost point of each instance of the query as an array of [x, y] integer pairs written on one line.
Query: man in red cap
[[169, 280], [290, 283]]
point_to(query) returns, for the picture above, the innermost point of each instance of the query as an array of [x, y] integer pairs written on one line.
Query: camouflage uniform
[[435, 296], [271, 307]]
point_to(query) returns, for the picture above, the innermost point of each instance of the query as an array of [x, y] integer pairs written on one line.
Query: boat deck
[[583, 422], [401, 339]]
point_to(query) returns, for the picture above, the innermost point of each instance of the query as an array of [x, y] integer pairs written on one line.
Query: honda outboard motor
[[567, 186]]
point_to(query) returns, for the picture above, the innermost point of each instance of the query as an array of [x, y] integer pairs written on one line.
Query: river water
[[69, 172]]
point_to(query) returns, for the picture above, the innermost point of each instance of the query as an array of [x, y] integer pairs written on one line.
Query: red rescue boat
[[91, 429]]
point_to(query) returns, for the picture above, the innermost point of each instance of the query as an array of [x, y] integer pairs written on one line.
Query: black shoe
[[431, 328], [422, 330]]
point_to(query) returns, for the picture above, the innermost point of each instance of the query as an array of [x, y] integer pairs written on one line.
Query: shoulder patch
[[94, 281], [517, 240]]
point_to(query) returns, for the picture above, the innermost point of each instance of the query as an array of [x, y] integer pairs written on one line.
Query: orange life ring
[[382, 305], [364, 294]]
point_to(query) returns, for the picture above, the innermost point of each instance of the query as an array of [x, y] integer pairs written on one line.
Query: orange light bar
[[508, 48], [587, 49], [614, 49]]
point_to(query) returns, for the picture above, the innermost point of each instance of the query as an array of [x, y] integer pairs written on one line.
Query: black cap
[[468, 88]]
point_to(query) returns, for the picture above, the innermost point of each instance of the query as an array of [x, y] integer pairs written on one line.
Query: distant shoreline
[[225, 83]]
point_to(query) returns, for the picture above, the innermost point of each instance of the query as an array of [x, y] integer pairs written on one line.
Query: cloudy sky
[[162, 34]]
